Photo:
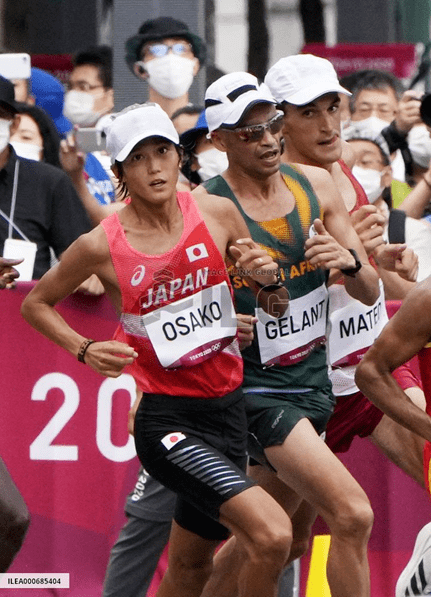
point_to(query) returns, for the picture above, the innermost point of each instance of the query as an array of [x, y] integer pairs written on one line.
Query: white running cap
[[302, 78], [134, 124], [231, 96]]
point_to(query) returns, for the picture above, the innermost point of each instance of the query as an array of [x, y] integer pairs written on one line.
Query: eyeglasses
[[82, 86], [158, 50], [255, 132]]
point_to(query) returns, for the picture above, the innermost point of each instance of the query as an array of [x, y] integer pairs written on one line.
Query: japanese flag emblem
[[170, 440], [196, 252]]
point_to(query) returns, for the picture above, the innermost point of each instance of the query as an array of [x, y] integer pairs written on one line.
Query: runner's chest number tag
[[192, 329], [290, 339]]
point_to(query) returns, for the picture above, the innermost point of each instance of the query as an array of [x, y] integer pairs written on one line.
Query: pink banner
[[64, 439], [398, 59]]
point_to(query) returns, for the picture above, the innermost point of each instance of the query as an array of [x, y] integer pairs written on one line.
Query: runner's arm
[[79, 262], [330, 247], [406, 333]]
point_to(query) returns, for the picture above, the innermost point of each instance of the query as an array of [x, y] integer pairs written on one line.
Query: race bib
[[193, 329], [289, 339], [354, 326]]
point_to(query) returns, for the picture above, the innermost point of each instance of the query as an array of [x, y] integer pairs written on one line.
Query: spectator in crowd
[[37, 201], [36, 137], [373, 171], [48, 93], [185, 118], [379, 102], [88, 102], [202, 160], [167, 55]]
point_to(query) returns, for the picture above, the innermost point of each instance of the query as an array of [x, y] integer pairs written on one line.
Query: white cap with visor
[[134, 124], [230, 97], [302, 78]]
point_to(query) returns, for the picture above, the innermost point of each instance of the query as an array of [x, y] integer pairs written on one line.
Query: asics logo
[[138, 276]]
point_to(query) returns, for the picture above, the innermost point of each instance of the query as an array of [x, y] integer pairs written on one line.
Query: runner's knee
[[355, 521], [271, 545], [191, 569]]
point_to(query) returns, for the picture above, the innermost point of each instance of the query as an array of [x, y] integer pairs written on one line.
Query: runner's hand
[[245, 329], [109, 358], [398, 258], [322, 250], [254, 262], [369, 225]]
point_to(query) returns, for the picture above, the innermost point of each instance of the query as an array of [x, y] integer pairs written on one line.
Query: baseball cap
[[302, 78], [49, 95], [188, 138], [7, 95], [161, 28], [134, 124], [230, 97]]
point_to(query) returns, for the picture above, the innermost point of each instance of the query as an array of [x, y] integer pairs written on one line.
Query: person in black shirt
[[37, 201]]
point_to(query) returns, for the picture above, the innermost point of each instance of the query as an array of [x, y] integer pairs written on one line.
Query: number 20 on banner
[[44, 448]]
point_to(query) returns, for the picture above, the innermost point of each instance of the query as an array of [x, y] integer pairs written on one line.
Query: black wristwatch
[[274, 286], [351, 271]]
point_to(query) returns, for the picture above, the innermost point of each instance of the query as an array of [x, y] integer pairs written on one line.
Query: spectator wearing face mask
[[168, 56], [39, 208], [47, 92], [36, 137], [87, 104], [373, 171], [380, 104], [202, 160]]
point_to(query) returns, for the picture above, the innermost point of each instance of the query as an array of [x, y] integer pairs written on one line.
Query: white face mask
[[370, 180], [370, 128], [4, 133], [211, 162], [79, 108], [170, 75], [419, 141], [27, 150]]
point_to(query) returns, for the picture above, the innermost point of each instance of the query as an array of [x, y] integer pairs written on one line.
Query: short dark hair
[[189, 109], [101, 58], [375, 79]]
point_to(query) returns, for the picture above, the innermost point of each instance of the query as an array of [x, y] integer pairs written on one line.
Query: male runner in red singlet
[[308, 91], [161, 260], [407, 333]]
